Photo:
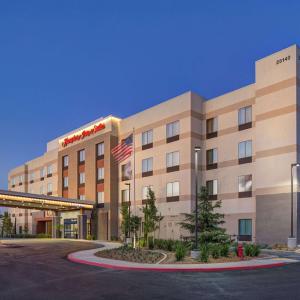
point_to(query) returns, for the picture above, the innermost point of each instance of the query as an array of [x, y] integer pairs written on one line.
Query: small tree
[[125, 224], [209, 220], [151, 217], [7, 225]]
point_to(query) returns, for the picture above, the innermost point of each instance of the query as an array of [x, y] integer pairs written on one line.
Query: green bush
[[180, 251], [251, 250], [150, 243], [204, 254], [141, 243], [224, 250], [43, 236], [215, 250]]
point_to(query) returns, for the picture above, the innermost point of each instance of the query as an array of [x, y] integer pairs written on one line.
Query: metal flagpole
[[134, 203]]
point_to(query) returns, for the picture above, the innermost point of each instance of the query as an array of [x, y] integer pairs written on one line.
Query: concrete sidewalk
[[87, 257]]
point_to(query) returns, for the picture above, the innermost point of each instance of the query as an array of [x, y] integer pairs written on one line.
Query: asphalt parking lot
[[40, 270]]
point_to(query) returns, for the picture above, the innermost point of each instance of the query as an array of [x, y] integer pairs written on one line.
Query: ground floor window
[[245, 229]]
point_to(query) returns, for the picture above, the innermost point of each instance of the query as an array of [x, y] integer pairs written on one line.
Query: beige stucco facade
[[255, 189]]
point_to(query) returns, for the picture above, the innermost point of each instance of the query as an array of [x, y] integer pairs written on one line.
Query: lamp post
[[197, 150], [129, 212], [292, 241]]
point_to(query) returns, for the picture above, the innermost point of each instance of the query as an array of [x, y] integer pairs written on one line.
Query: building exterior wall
[[274, 133]]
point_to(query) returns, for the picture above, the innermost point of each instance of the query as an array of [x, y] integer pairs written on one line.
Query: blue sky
[[65, 63]]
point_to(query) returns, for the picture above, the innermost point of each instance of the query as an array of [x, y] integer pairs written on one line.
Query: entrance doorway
[[70, 229]]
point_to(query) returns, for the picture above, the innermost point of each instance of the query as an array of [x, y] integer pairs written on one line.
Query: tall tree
[[125, 224], [7, 224], [209, 220], [151, 216]]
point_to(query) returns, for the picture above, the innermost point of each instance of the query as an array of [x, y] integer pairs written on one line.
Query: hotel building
[[248, 139]]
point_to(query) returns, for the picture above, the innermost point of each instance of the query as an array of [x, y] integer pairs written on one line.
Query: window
[[82, 197], [82, 178], [41, 189], [245, 229], [42, 172], [125, 195], [245, 152], [211, 159], [66, 182], [100, 173], [31, 176], [212, 189], [49, 187], [145, 191], [13, 181], [173, 129], [245, 117], [65, 161], [211, 128], [100, 197], [81, 156], [172, 159], [147, 165], [100, 149], [126, 171], [173, 189], [147, 137], [50, 170], [21, 178], [245, 186]]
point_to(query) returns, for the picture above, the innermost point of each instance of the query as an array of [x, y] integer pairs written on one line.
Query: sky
[[66, 63]]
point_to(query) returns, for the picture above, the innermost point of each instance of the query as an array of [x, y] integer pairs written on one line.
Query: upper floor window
[[50, 170], [126, 171], [41, 189], [125, 195], [173, 131], [49, 187], [100, 149], [81, 156], [212, 189], [100, 197], [245, 117], [13, 181], [21, 178], [31, 176], [66, 182], [82, 178], [212, 158], [82, 197], [173, 189], [245, 186], [65, 161], [147, 138], [172, 159], [245, 152], [42, 172], [147, 165], [100, 173], [145, 191], [211, 128]]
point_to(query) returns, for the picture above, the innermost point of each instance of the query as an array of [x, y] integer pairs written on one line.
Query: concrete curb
[[87, 257]]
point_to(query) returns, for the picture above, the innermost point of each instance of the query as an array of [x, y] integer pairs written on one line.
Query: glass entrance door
[[70, 229]]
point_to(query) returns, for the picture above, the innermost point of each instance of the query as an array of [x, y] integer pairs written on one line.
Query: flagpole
[[134, 203]]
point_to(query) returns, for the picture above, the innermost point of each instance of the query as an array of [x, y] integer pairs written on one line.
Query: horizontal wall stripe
[[276, 151], [277, 112]]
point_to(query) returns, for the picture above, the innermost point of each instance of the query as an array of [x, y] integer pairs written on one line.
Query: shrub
[[215, 250], [251, 250], [180, 251], [204, 254], [150, 242], [141, 243], [224, 250]]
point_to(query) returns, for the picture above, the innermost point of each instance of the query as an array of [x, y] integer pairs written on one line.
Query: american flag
[[123, 150]]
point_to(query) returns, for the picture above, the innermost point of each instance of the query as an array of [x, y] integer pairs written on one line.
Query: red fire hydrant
[[240, 251]]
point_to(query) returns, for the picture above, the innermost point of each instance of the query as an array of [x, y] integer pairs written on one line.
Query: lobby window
[[100, 150], [82, 156], [245, 117], [245, 152], [147, 167], [145, 190], [147, 139], [66, 182], [42, 173], [125, 195], [49, 188], [66, 161], [100, 197], [172, 161], [212, 159], [81, 197], [172, 131], [212, 189], [245, 186], [173, 191], [245, 229], [211, 128], [82, 178], [100, 174], [49, 170]]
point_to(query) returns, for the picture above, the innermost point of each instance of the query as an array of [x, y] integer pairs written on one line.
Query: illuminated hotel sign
[[82, 134]]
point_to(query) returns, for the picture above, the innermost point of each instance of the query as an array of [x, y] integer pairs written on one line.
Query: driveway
[[40, 270]]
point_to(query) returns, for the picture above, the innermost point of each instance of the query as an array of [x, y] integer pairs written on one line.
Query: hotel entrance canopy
[[42, 202]]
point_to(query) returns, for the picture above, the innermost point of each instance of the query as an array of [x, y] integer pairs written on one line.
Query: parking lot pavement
[[40, 270]]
